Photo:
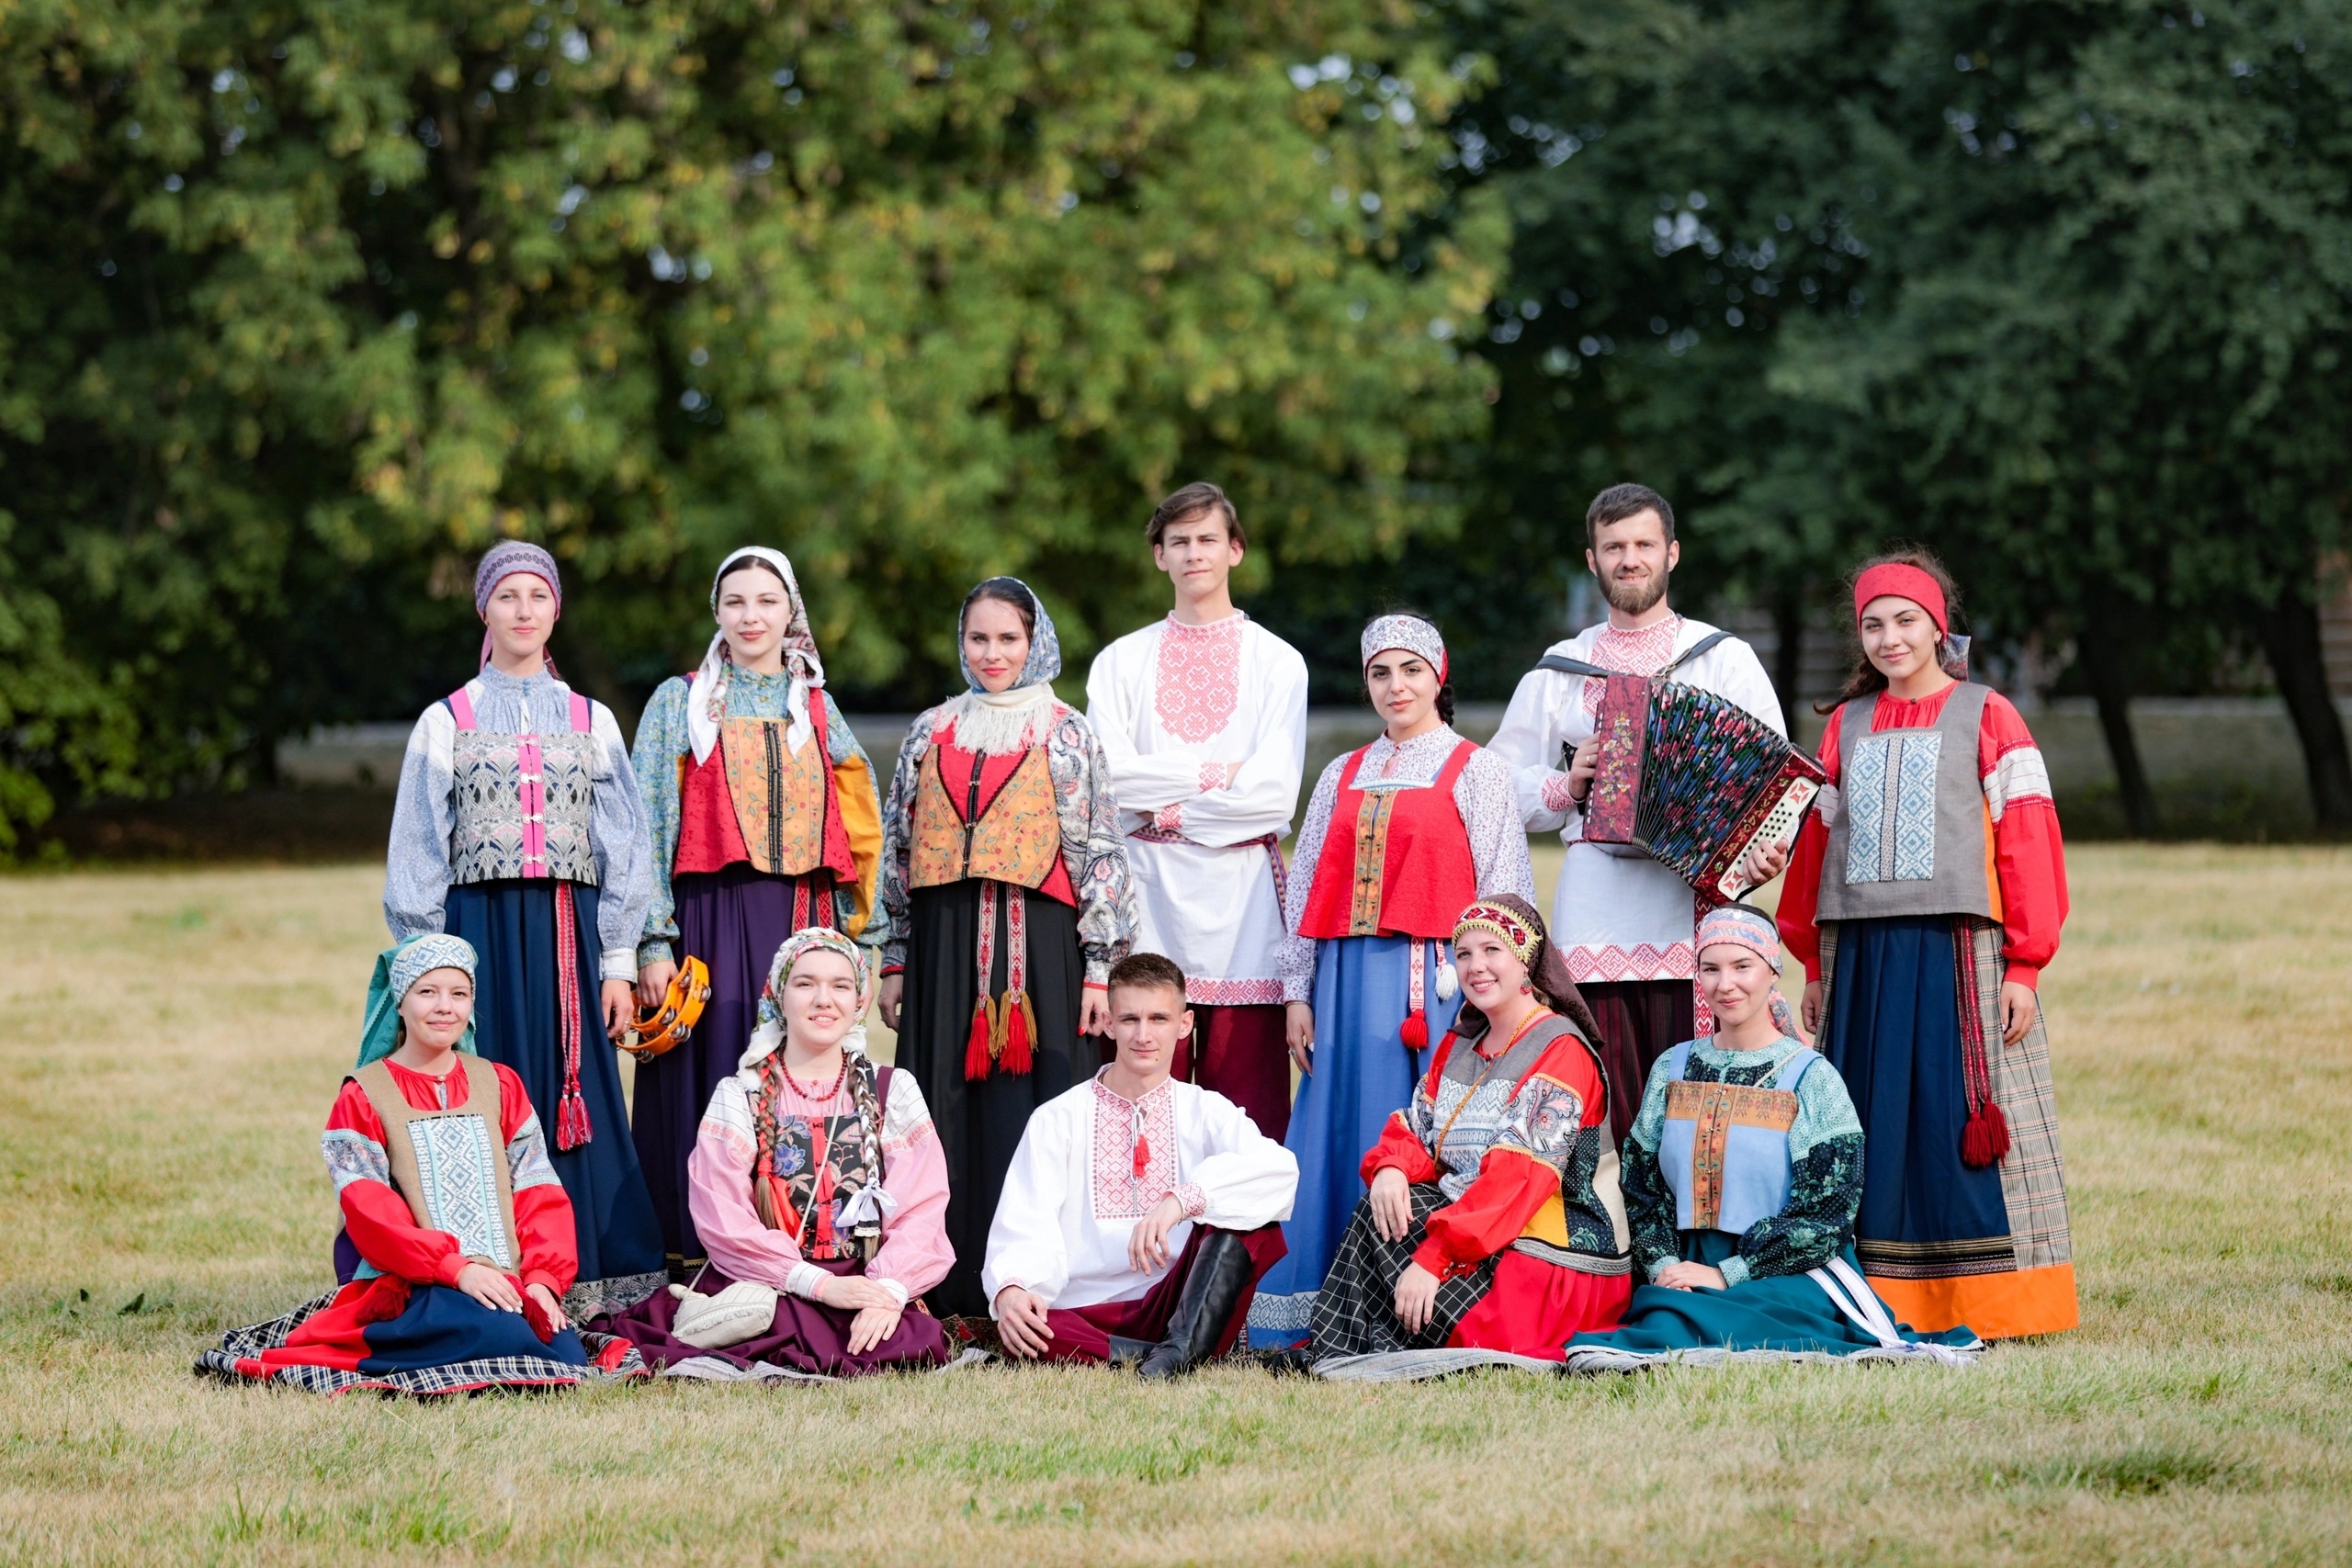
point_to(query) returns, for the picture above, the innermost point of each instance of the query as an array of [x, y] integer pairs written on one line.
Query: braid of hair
[[865, 1088], [765, 1133]]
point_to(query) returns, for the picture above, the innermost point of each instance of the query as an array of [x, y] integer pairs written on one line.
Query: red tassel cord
[[571, 1129], [1986, 1138], [1415, 1031], [977, 1059], [1020, 1033]]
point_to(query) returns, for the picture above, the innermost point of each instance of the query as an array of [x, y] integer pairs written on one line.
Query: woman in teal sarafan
[[1742, 1177]]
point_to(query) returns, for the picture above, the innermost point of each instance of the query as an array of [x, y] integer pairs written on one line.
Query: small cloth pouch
[[740, 1312]]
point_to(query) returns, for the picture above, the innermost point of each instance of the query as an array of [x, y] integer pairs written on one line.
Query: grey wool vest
[[1912, 836]]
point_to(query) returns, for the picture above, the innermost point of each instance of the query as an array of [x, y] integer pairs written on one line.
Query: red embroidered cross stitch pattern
[[1643, 652], [1119, 1193], [1198, 679]]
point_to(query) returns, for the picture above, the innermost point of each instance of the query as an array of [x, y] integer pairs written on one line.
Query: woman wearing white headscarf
[[1004, 878], [765, 821]]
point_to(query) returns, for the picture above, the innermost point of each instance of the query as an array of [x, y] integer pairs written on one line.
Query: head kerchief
[[398, 968], [707, 706], [1045, 662], [1741, 925], [1904, 581], [768, 1038], [1410, 633], [504, 560], [1514, 919]]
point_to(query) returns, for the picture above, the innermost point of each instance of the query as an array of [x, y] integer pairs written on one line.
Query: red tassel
[[386, 1300], [571, 1120], [1985, 1138], [1020, 1027], [977, 1060], [1415, 1031], [536, 1317], [1143, 1157]]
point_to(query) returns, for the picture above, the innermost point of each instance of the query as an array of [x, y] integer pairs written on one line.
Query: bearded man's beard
[[1634, 598]]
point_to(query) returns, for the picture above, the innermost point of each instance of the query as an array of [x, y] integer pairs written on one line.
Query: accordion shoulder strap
[[1561, 664]]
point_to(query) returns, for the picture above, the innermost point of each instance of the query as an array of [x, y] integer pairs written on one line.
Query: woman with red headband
[[1924, 899]]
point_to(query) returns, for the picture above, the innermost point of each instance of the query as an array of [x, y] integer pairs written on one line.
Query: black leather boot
[[1126, 1352], [1220, 1273]]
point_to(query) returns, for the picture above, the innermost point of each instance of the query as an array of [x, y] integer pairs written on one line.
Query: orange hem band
[[1997, 1307]]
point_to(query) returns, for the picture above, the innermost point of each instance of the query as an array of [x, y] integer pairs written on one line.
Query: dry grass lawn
[[170, 1042]]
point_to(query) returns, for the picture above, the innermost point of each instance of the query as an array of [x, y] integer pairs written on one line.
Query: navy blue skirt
[[512, 925], [1894, 1036]]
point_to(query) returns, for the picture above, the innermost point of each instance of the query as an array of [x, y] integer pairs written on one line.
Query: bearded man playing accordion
[[1623, 922]]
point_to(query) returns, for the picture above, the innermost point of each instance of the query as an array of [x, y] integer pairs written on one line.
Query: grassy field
[[171, 1041]]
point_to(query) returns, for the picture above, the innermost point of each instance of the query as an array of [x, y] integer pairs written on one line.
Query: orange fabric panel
[[1997, 1307]]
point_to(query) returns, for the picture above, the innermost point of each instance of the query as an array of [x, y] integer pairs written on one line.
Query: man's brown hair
[[1148, 972], [1197, 497], [1620, 502]]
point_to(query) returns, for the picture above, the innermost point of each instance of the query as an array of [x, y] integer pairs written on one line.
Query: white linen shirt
[[1206, 730], [1617, 915], [1072, 1197]]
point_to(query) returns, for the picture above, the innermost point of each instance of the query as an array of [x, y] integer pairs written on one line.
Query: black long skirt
[[980, 1124]]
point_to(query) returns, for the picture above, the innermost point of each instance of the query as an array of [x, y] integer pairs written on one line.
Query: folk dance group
[[1592, 1142]]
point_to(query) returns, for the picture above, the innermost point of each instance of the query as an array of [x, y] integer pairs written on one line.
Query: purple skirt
[[733, 920], [807, 1337]]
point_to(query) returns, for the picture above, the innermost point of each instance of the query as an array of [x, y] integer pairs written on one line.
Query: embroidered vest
[[451, 1165], [820, 1162], [1013, 835], [1913, 834], [522, 801], [784, 811], [1396, 858], [1580, 1226], [1724, 1149]]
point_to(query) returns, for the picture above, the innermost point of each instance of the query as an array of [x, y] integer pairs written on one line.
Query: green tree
[[307, 301]]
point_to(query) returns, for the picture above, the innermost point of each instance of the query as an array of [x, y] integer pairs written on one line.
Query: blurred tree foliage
[[304, 301], [2059, 289]]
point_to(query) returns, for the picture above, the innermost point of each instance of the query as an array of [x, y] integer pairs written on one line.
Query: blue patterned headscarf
[[398, 968], [1045, 659]]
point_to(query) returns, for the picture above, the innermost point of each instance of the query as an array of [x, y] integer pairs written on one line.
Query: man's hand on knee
[[1021, 1323]]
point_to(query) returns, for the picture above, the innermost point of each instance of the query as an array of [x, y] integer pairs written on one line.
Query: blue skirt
[[1894, 1035], [512, 925], [1362, 1074], [1786, 1314]]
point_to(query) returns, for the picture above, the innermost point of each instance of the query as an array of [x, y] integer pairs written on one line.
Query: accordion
[[1690, 778]]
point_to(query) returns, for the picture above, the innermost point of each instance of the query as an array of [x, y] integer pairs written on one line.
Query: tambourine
[[663, 1029]]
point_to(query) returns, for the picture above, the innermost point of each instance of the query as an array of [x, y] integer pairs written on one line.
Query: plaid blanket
[[247, 1344]]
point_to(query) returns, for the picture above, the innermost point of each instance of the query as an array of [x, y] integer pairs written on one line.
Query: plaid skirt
[[1355, 1312]]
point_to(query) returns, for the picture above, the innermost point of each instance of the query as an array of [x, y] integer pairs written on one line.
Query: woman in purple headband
[[520, 828]]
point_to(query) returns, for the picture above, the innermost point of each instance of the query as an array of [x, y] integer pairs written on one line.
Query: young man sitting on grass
[[1140, 1213]]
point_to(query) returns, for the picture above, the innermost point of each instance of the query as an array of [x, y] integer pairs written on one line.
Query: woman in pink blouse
[[820, 1190]]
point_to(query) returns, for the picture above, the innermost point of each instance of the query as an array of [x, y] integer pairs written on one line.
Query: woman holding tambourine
[[765, 821]]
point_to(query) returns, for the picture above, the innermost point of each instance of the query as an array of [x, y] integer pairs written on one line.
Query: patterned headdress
[[1523, 940], [1045, 662], [805, 669], [768, 1038], [398, 968], [1741, 925], [1410, 633], [501, 561]]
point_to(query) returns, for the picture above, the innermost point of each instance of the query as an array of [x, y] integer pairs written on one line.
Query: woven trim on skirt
[[248, 1343]]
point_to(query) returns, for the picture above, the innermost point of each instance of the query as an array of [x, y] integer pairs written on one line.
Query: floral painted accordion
[[1690, 778]]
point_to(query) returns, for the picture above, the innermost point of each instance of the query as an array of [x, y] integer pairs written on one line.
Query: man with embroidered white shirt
[[1624, 923], [1203, 716], [1140, 1210]]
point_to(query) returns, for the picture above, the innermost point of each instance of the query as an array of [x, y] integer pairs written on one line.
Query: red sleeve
[[381, 1227], [543, 1217], [1800, 893], [1514, 1181], [2029, 856], [1512, 1184], [1399, 1149]]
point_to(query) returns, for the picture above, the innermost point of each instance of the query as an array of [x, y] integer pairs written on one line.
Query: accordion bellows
[[1693, 780]]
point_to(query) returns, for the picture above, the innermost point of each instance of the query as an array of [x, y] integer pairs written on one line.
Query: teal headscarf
[[398, 968]]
